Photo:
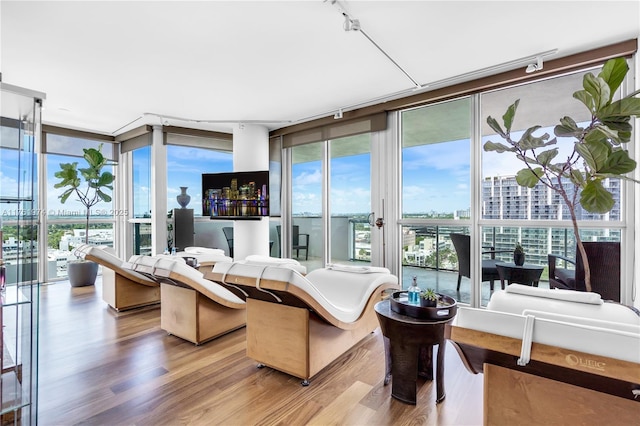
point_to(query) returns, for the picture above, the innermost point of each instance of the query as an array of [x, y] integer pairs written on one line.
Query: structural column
[[158, 191], [250, 153]]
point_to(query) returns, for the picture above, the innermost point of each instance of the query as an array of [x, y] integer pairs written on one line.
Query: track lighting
[[535, 67], [350, 24]]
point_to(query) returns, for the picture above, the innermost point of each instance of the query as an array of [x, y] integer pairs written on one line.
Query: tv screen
[[235, 195]]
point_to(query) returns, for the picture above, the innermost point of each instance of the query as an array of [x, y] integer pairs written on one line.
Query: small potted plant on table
[[429, 298]]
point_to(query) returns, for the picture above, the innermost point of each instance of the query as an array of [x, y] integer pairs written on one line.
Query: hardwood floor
[[98, 366]]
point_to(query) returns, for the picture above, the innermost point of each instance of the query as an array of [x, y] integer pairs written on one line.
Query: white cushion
[[203, 250], [255, 259], [343, 294], [558, 294], [516, 303], [596, 338], [358, 269], [186, 274]]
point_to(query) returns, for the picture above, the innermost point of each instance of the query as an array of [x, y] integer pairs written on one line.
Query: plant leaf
[[498, 147], [545, 157], [528, 141], [567, 128], [594, 153], [618, 163], [495, 126], [595, 198], [621, 108], [509, 115], [598, 89], [586, 98], [528, 177], [613, 72]]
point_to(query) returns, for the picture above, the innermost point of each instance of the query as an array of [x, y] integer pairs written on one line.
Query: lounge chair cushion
[[255, 259], [357, 269], [180, 272], [598, 337], [343, 294], [107, 258], [564, 302], [204, 250]]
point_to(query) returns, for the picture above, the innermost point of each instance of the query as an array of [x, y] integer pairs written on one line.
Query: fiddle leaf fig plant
[[88, 184], [598, 150]]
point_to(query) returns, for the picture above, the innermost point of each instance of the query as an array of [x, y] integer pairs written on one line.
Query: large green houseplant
[[598, 149], [88, 184]]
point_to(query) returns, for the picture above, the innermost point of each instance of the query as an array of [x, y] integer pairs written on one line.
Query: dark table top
[[527, 266]]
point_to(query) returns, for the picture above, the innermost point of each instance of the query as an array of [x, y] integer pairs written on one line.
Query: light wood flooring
[[100, 367]]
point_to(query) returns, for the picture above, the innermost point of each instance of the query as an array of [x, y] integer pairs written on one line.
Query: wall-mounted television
[[235, 195]]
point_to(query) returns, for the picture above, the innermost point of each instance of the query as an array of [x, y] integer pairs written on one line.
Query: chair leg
[[491, 285], [306, 254], [459, 279]]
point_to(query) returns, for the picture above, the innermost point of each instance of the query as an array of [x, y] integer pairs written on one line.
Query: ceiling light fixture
[[535, 67], [338, 115]]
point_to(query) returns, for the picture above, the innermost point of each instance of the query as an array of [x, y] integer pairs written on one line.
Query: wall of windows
[[439, 187]]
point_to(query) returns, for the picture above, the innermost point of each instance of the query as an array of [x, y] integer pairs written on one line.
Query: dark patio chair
[[296, 244], [604, 263], [462, 244], [228, 234]]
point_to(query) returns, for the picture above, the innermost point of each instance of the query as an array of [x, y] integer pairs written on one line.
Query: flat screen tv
[[235, 195]]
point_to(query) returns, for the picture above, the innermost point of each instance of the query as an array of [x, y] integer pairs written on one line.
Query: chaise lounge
[[544, 351], [193, 308], [122, 288], [300, 324]]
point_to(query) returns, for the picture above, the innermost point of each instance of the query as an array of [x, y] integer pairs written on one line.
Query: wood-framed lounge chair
[[300, 324], [552, 356], [193, 308], [122, 288]]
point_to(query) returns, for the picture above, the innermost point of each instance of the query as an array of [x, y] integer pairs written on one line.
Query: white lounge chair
[[553, 356], [192, 307], [300, 324], [122, 288]]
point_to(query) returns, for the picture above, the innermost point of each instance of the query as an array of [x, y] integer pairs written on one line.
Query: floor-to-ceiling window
[[185, 166], [537, 217], [350, 199], [331, 187], [307, 199], [140, 199], [436, 192], [66, 221]]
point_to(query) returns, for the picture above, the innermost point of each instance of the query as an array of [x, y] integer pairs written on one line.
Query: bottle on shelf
[[166, 251], [173, 251], [414, 292]]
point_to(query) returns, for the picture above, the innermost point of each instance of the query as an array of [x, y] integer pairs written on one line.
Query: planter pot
[[518, 259], [426, 303], [82, 273]]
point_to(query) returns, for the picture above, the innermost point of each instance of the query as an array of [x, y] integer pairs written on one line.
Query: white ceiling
[[113, 65]]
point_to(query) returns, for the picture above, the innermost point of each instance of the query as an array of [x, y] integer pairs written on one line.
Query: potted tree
[[597, 152], [89, 185]]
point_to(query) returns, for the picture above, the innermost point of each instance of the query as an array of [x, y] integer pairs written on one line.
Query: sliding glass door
[[331, 189]]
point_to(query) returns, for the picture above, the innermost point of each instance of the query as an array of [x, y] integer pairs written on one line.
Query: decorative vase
[[183, 198], [518, 259]]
